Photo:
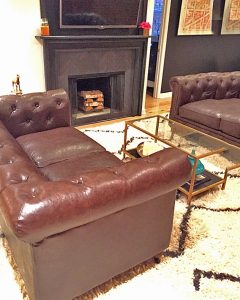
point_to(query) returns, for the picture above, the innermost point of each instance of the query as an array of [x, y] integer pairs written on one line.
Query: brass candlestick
[[16, 86]]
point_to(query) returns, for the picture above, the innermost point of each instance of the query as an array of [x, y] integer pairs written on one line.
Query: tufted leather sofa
[[209, 102], [75, 215]]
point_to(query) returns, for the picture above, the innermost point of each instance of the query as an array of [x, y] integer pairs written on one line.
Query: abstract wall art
[[196, 17], [231, 17]]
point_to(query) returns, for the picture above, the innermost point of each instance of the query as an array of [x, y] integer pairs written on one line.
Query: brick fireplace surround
[[119, 59]]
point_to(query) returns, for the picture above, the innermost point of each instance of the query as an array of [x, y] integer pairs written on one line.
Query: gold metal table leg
[[225, 179], [157, 128], [193, 175], [125, 140]]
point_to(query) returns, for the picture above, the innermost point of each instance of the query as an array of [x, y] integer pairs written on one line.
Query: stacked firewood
[[90, 101]]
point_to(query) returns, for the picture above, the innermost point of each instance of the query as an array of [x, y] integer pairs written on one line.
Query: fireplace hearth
[[112, 64]]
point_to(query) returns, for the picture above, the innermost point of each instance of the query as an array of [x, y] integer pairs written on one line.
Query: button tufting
[[49, 117], [10, 161], [34, 191], [36, 104], [59, 102], [28, 121], [13, 107], [24, 178]]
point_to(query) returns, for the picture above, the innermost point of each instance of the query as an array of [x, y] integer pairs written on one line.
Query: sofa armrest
[[34, 212], [24, 114], [190, 88]]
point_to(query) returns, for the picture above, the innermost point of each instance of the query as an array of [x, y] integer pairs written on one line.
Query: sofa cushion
[[217, 114], [230, 119], [51, 146], [204, 112], [73, 168]]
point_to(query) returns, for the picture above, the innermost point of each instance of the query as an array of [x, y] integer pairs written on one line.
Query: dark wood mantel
[[90, 37]]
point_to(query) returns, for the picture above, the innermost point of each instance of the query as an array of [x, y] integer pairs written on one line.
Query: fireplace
[[112, 64], [108, 87]]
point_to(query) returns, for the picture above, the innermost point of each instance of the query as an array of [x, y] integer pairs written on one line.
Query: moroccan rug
[[202, 261]]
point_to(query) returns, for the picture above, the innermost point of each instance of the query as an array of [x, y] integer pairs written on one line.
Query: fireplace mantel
[[90, 37], [71, 56]]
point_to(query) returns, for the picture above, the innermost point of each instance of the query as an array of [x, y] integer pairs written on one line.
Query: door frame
[[162, 43]]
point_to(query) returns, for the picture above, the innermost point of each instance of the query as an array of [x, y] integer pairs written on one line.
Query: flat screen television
[[99, 13]]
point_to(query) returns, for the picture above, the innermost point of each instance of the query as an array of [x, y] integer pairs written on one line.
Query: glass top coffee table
[[198, 145]]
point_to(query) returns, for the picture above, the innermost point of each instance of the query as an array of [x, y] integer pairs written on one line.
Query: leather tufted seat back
[[228, 86], [202, 86], [42, 111]]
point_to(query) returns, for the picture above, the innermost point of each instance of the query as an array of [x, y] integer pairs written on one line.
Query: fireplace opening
[[96, 97]]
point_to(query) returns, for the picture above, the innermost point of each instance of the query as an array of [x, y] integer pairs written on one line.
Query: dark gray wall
[[50, 10], [194, 54]]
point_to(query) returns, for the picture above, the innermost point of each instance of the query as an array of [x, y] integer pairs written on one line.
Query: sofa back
[[214, 85], [24, 114]]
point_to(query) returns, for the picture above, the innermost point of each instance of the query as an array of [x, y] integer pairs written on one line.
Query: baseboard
[[166, 95]]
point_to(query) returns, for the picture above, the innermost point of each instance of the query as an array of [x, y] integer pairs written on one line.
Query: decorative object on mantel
[[16, 86], [145, 27], [91, 101], [44, 27]]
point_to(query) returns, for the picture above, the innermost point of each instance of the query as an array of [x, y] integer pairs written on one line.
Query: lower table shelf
[[208, 180]]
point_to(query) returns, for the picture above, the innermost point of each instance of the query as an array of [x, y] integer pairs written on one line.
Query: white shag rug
[[202, 261]]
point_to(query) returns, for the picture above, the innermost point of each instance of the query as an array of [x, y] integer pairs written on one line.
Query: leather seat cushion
[[230, 119], [51, 146], [203, 112], [217, 114], [73, 168]]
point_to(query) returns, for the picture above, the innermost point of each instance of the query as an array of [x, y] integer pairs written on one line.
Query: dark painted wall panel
[[194, 54], [50, 10]]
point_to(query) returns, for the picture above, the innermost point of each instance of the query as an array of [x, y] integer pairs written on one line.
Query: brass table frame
[[189, 193]]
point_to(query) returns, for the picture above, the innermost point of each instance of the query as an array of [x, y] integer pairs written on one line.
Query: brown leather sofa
[[208, 102], [75, 215]]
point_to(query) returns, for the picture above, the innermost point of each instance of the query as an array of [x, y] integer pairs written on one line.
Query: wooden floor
[[155, 106], [152, 106]]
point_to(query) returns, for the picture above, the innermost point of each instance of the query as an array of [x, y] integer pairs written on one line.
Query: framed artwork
[[231, 17], [196, 17]]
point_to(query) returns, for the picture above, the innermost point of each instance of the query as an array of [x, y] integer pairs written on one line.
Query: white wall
[[20, 52]]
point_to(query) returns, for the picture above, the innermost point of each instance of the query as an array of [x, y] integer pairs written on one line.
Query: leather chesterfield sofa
[[73, 214], [209, 102]]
